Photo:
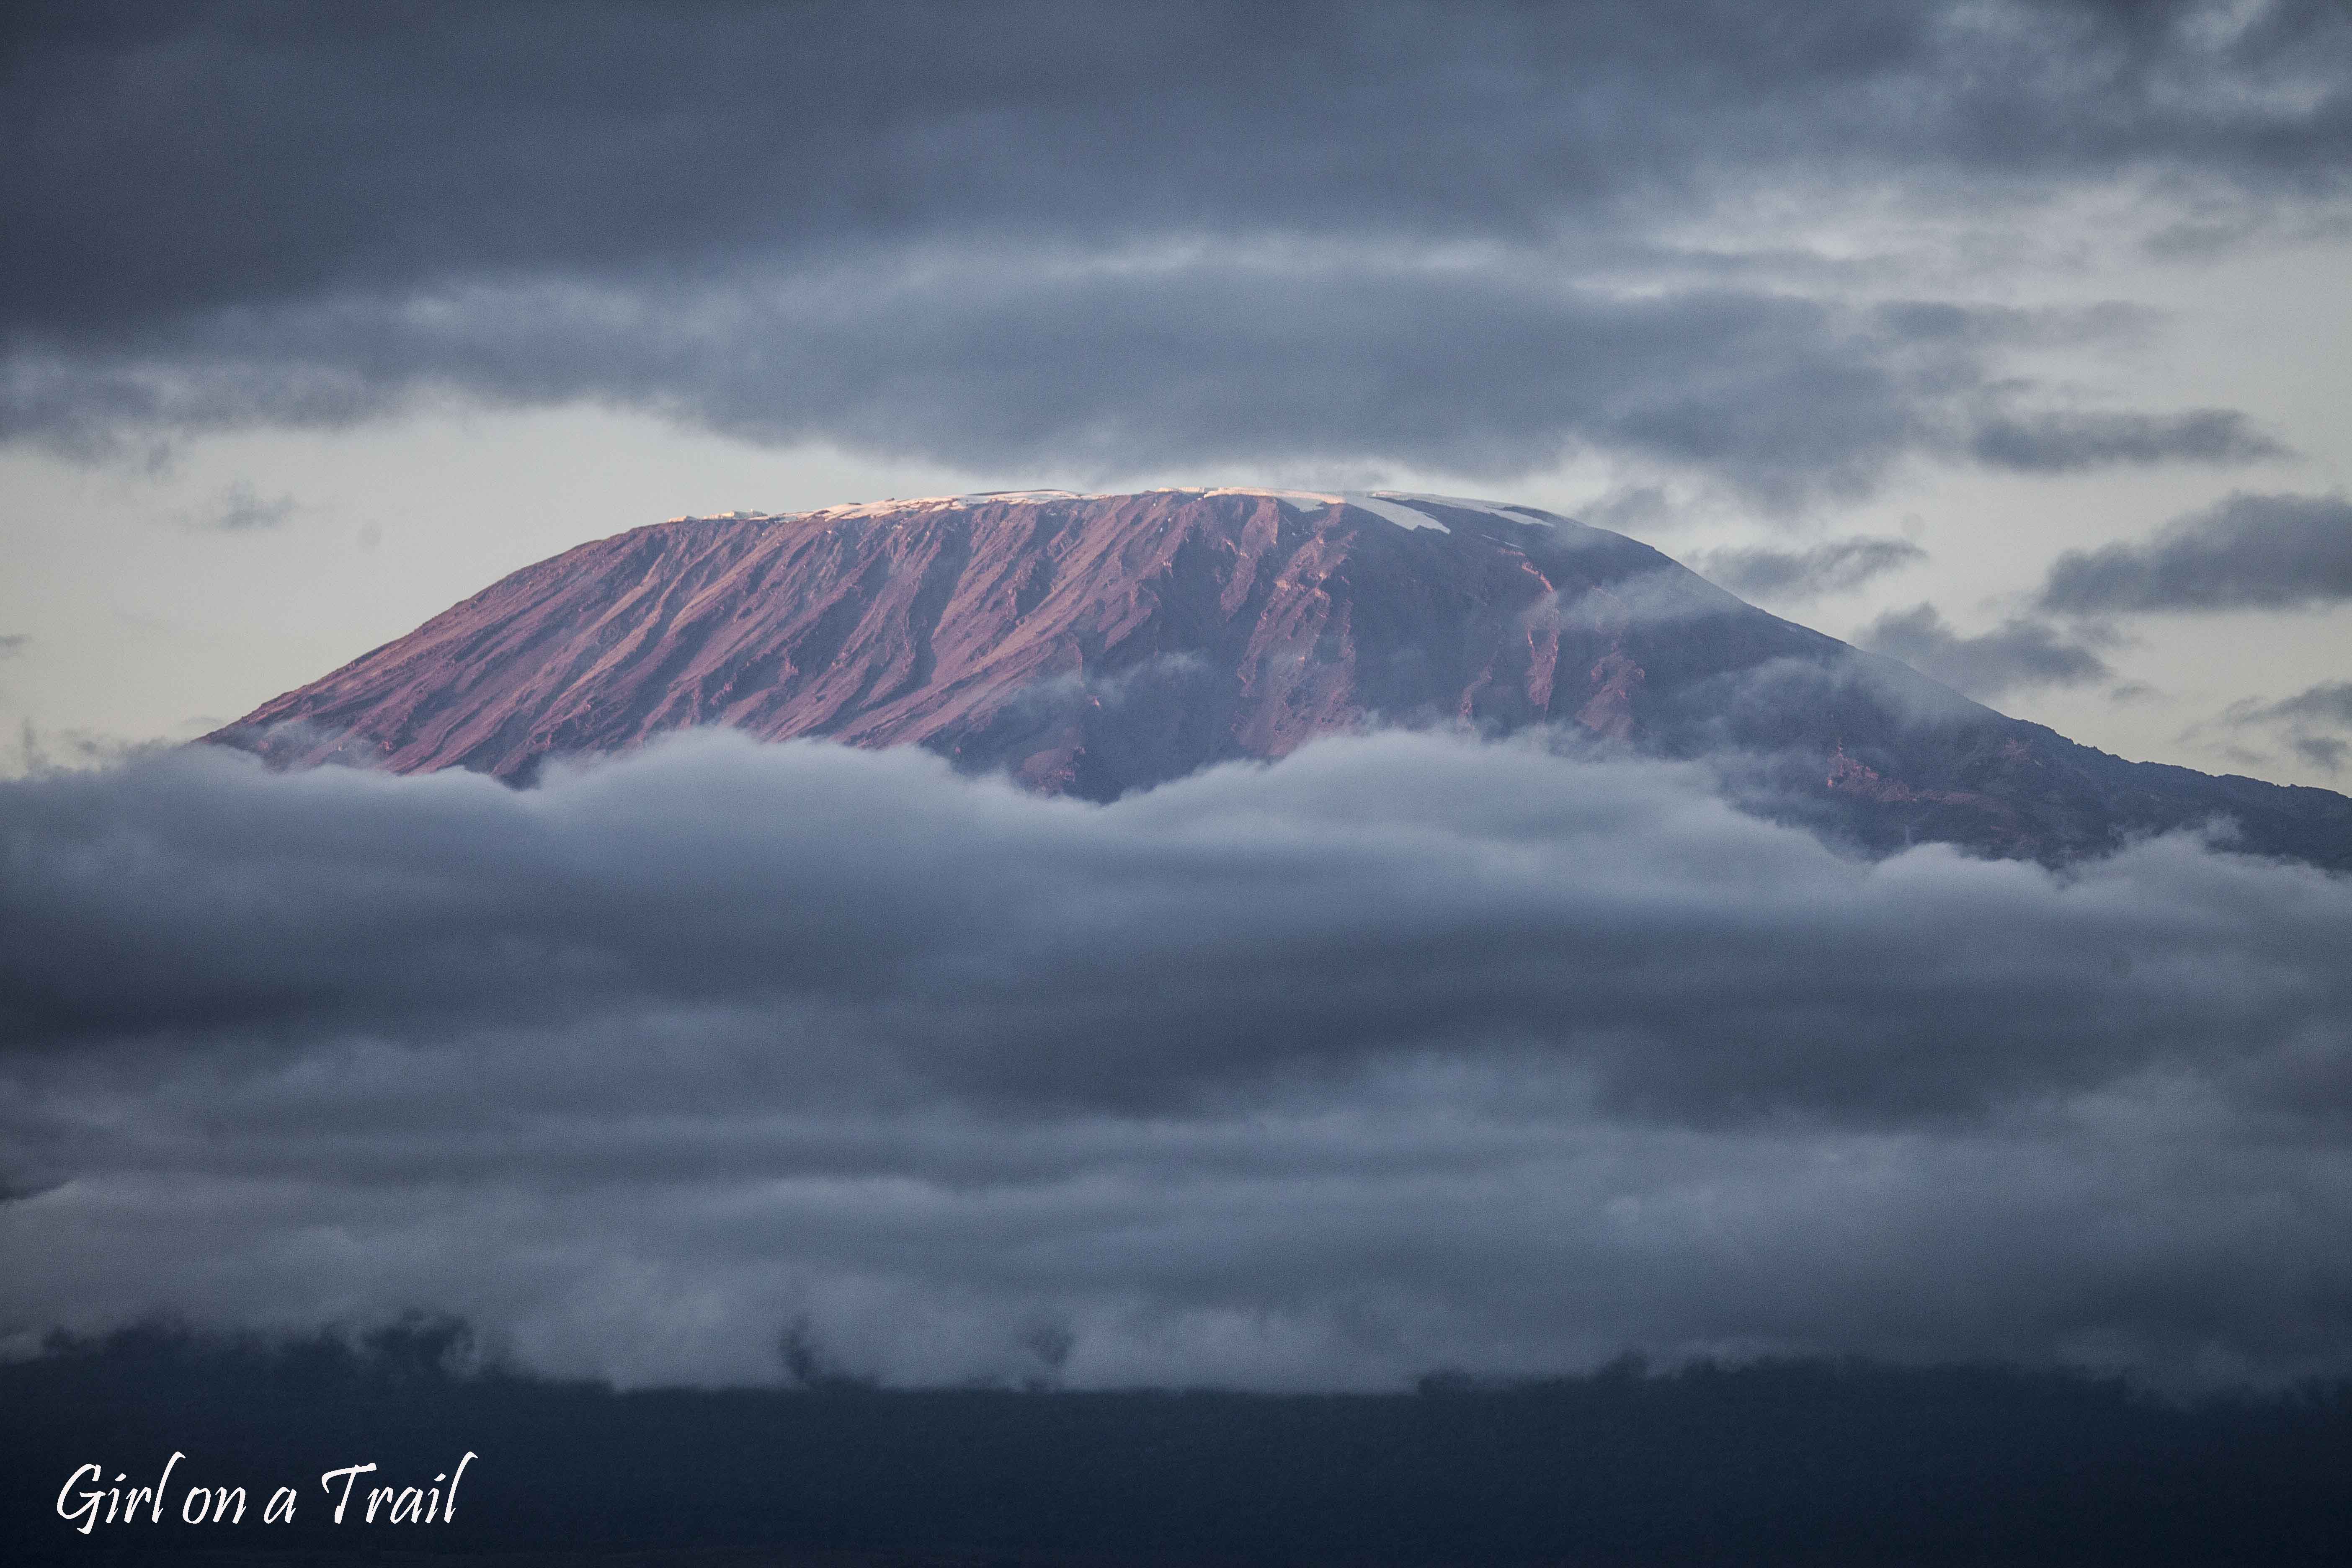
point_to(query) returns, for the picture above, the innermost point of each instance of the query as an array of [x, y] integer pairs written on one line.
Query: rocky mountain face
[[1096, 644]]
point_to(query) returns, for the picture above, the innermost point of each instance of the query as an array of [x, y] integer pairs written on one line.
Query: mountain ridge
[[1093, 644]]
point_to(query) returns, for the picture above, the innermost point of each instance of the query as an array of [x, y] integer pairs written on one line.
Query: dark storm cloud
[[169, 160], [2248, 552], [1403, 1052], [192, 189], [2021, 653], [1842, 564]]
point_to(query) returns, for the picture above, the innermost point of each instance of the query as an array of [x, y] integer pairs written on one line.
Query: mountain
[[1095, 644]]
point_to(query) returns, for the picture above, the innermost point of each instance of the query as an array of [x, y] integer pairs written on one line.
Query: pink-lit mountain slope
[[1093, 644]]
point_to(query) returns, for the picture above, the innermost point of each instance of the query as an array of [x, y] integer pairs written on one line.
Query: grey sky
[[2005, 280]]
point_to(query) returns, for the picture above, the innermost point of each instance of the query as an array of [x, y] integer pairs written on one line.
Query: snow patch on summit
[[1406, 509], [1507, 512], [1300, 502], [1397, 511]]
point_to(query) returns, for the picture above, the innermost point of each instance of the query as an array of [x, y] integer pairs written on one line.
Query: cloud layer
[[1404, 1052], [2248, 552], [1470, 238]]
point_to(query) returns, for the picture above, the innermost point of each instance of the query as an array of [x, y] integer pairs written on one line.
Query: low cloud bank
[[1405, 1052]]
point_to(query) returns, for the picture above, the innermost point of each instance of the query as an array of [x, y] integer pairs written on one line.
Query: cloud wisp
[[2071, 443], [2315, 723], [241, 508], [1763, 572], [1403, 1052], [2019, 654]]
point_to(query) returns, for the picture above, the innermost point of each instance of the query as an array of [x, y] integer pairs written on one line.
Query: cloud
[[1313, 236], [1403, 1052], [1494, 372], [468, 144], [1487, 372], [2019, 653], [2326, 751], [2327, 703], [13, 644], [240, 508], [2247, 551], [1763, 572], [2069, 443], [2314, 723]]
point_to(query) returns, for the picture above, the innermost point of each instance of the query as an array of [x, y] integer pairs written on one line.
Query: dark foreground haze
[[1788, 1462]]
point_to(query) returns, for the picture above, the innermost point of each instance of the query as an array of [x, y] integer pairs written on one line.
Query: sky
[[1881, 315], [2008, 339]]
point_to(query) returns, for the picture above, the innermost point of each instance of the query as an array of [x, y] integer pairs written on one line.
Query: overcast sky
[[2010, 339]]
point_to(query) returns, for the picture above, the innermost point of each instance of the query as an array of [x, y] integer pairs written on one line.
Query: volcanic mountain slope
[[1093, 644]]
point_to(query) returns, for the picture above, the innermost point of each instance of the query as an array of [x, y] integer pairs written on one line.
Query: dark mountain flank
[[1096, 644]]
